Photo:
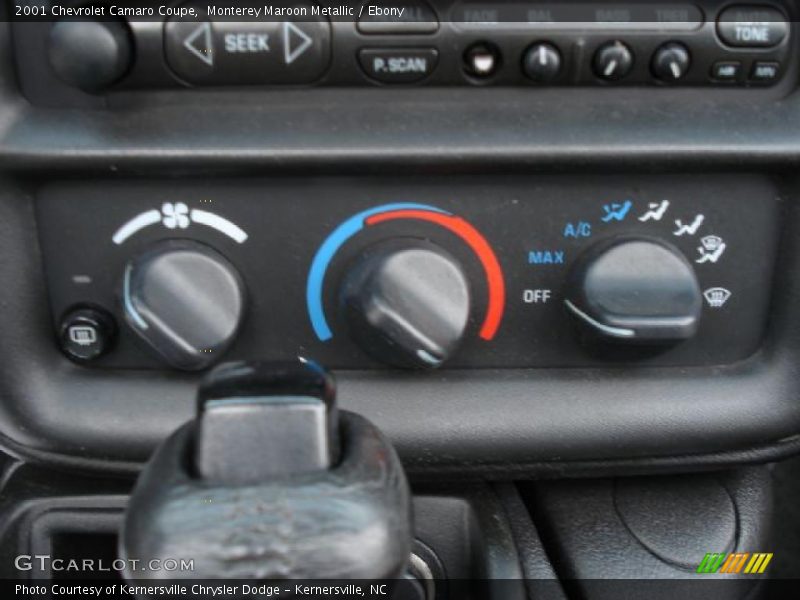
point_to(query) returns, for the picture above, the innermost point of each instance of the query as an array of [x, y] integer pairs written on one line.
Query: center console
[[532, 240]]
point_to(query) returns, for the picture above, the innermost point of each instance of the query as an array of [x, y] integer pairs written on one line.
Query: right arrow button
[[295, 42]]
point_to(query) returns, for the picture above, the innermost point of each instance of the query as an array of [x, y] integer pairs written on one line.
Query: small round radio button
[[671, 62], [613, 61], [482, 60], [542, 62]]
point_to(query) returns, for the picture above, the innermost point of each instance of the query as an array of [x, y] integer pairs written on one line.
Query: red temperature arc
[[478, 244]]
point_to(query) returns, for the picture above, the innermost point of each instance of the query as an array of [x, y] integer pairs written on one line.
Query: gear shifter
[[261, 421], [272, 482]]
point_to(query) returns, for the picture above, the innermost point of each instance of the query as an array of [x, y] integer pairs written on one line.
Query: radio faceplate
[[422, 43], [294, 241]]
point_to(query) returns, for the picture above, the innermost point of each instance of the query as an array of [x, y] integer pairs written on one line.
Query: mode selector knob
[[407, 303], [185, 300], [634, 290]]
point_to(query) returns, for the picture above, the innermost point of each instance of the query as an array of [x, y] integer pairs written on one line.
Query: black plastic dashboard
[[73, 174]]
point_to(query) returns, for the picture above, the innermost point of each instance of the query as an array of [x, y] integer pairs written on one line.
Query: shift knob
[[271, 482], [257, 422]]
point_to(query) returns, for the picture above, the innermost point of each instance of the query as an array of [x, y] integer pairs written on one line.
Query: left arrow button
[[201, 44]]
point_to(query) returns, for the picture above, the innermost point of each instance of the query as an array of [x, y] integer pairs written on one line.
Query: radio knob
[[613, 61], [634, 290], [90, 54], [671, 62], [185, 300], [542, 62], [407, 303]]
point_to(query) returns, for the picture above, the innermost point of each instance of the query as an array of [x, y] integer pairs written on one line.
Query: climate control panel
[[456, 272]]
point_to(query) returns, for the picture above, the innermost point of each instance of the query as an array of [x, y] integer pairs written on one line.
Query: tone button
[[752, 26]]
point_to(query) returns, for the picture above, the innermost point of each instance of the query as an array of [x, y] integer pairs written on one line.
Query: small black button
[[765, 72], [726, 70], [482, 60], [613, 61], [398, 65], [671, 62], [752, 26], [542, 62], [86, 333], [249, 52], [398, 17]]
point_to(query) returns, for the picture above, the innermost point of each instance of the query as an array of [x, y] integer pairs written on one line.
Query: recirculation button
[[398, 65]]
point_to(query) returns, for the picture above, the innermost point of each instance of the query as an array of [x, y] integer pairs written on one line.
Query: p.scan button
[[398, 65]]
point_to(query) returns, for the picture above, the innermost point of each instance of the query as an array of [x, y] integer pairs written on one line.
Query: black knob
[[671, 62], [185, 300], [542, 62], [407, 303], [90, 55], [613, 61], [634, 290]]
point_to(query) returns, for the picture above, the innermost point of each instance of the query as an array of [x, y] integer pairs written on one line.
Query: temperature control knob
[[407, 303], [635, 290], [185, 300]]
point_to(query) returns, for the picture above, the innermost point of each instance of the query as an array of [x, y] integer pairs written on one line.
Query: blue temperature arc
[[326, 252]]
